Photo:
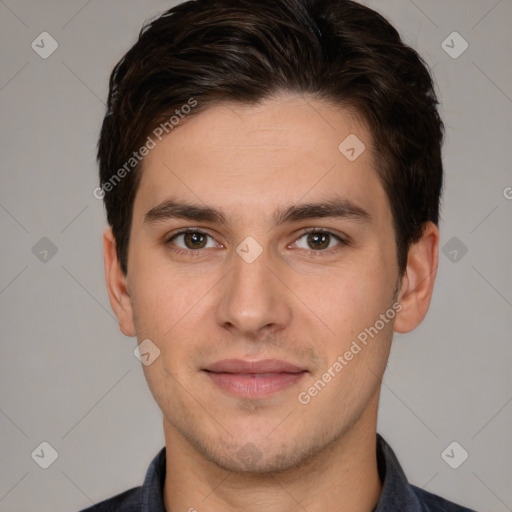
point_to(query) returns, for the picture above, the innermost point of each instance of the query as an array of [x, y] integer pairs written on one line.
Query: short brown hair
[[214, 51]]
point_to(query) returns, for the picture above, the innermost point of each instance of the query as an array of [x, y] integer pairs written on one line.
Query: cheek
[[173, 309], [357, 351], [352, 299], [160, 295]]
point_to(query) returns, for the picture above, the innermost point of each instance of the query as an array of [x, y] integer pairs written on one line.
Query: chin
[[261, 457], [250, 460]]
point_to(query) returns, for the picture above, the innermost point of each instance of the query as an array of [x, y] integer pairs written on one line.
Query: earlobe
[[117, 286], [418, 281]]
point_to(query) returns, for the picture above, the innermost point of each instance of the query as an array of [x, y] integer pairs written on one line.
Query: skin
[[294, 302]]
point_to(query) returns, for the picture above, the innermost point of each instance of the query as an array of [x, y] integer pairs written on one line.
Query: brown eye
[[192, 240], [318, 240]]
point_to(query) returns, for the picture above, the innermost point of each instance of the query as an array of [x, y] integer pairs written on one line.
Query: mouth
[[254, 379]]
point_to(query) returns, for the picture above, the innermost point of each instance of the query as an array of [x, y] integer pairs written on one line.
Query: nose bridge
[[251, 299]]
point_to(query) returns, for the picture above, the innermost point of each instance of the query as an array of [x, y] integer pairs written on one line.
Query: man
[[271, 172]]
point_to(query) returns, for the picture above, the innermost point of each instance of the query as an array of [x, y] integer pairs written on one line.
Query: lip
[[254, 379], [241, 366]]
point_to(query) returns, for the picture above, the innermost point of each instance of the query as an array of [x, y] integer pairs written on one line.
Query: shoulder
[[150, 493], [128, 501], [433, 503]]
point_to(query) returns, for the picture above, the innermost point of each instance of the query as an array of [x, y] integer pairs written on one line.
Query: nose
[[253, 301]]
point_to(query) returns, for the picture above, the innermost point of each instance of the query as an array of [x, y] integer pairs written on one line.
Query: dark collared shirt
[[397, 494]]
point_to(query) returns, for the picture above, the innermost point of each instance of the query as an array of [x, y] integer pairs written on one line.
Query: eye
[[192, 239], [318, 240]]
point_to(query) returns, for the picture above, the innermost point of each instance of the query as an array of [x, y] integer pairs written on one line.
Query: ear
[[418, 280], [117, 285]]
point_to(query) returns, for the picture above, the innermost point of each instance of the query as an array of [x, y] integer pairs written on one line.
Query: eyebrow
[[335, 208]]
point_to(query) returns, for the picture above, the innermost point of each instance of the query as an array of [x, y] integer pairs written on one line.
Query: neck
[[343, 476]]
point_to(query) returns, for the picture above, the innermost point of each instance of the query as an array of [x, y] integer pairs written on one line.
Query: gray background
[[69, 377]]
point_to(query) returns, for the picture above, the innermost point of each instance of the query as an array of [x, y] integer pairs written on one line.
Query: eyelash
[[312, 253], [184, 231]]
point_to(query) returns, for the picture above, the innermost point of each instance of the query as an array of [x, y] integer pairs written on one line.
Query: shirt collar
[[152, 495], [396, 493]]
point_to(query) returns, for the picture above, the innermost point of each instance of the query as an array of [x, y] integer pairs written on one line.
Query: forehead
[[251, 158]]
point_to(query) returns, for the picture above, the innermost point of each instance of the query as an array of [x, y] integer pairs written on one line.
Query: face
[[260, 258]]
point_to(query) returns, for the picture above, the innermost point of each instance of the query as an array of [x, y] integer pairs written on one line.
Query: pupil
[[318, 240], [195, 240]]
